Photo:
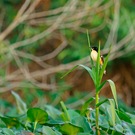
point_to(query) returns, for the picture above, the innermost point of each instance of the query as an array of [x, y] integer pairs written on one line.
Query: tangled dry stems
[[72, 15]]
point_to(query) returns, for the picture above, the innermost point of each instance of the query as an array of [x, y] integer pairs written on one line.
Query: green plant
[[51, 121], [96, 72]]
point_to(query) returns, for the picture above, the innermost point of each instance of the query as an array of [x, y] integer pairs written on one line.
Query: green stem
[[35, 124], [65, 111], [97, 114]]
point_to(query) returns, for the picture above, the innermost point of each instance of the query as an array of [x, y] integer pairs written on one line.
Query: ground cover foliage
[[38, 38], [48, 120]]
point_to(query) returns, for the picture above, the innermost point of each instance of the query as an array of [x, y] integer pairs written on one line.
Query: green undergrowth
[[65, 121]]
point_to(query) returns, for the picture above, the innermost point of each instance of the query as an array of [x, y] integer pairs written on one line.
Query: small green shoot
[[65, 115], [21, 106]]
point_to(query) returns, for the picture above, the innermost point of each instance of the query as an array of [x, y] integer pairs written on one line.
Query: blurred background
[[40, 40]]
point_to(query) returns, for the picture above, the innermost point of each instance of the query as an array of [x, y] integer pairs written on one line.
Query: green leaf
[[37, 115], [86, 106], [65, 115], [112, 111], [70, 129], [102, 132], [49, 131], [84, 134], [104, 65], [124, 116], [21, 106], [86, 68], [10, 122], [101, 102], [119, 128], [53, 112], [132, 117], [7, 131], [82, 122], [72, 114], [103, 123], [91, 73], [101, 86], [128, 128], [113, 88], [106, 110], [88, 38], [69, 71], [98, 69], [118, 120]]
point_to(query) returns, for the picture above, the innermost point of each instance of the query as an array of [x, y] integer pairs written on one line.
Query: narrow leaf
[[69, 71], [86, 68], [100, 103], [90, 72], [89, 47], [124, 116], [101, 86], [113, 88], [98, 67], [88, 39], [112, 108], [67, 117], [21, 106], [53, 112], [86, 105], [104, 65]]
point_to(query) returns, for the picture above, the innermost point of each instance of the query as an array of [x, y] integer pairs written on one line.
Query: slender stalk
[[89, 46], [65, 110], [97, 114], [35, 124]]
